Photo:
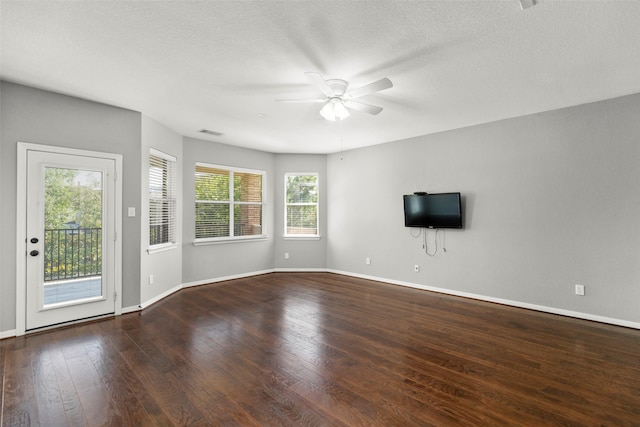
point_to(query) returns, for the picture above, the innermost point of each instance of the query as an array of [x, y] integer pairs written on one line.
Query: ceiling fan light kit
[[338, 101], [334, 110]]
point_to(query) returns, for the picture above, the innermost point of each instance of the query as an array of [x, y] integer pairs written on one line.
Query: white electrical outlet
[[286, 255], [151, 279], [579, 289], [416, 268], [367, 261]]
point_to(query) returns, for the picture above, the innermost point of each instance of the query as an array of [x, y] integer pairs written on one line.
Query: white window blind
[[301, 205], [229, 202], [162, 198]]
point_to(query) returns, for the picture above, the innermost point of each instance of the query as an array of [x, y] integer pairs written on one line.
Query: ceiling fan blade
[[318, 81], [316, 101], [376, 86], [361, 106]]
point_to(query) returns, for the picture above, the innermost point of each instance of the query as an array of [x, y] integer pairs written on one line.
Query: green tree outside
[[302, 204], [72, 196], [73, 223], [212, 219]]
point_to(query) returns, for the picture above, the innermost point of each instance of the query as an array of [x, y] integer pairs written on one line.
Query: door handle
[[34, 253], [34, 240]]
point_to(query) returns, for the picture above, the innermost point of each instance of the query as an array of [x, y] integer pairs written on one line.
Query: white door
[[70, 238]]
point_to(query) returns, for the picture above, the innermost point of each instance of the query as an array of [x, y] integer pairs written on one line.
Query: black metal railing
[[72, 253]]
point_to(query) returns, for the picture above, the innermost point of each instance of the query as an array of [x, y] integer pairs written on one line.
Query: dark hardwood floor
[[319, 349]]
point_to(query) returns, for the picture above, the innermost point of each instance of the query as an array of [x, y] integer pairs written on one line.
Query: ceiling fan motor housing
[[338, 86]]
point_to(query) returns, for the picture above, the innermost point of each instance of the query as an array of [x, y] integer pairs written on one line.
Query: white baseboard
[[159, 297], [176, 288], [224, 278], [131, 309], [545, 309], [8, 334], [300, 270]]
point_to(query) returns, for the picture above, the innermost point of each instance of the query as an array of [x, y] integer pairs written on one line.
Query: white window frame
[[172, 196], [288, 236], [228, 239]]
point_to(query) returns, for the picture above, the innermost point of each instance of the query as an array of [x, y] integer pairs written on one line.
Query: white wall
[[551, 200], [303, 254], [215, 261], [165, 266], [41, 117]]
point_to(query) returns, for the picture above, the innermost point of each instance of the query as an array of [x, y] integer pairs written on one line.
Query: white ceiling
[[220, 64]]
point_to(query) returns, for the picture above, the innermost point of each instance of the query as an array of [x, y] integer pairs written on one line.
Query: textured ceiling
[[221, 65]]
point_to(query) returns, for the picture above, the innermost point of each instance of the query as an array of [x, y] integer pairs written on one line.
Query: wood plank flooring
[[319, 349]]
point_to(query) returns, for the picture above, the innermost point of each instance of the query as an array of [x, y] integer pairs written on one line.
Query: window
[[162, 199], [301, 205], [229, 203]]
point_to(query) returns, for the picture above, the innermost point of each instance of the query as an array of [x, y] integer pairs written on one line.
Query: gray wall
[[551, 200], [165, 266], [201, 263], [303, 254], [40, 117]]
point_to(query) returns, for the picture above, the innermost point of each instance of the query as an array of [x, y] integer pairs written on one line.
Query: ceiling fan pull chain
[[340, 125]]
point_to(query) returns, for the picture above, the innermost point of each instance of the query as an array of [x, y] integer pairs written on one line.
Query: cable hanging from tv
[[425, 239], [425, 243]]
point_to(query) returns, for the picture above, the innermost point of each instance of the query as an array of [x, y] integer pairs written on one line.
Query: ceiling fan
[[338, 100]]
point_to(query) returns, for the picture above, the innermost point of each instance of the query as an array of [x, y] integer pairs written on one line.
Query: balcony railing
[[72, 253]]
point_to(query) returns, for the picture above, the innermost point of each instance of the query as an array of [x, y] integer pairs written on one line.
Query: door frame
[[21, 224]]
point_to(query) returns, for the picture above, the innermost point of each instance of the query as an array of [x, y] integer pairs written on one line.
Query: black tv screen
[[436, 210]]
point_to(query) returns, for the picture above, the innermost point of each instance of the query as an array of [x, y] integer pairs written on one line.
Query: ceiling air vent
[[210, 132]]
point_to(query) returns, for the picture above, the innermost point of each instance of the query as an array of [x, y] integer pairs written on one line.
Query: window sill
[[224, 240], [290, 237], [161, 248]]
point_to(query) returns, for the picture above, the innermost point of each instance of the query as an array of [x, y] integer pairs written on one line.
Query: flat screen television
[[435, 210]]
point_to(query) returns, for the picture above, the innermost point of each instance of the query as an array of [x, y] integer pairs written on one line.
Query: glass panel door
[[70, 216]]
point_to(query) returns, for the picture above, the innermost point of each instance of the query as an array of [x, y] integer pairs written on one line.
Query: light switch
[[132, 212]]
